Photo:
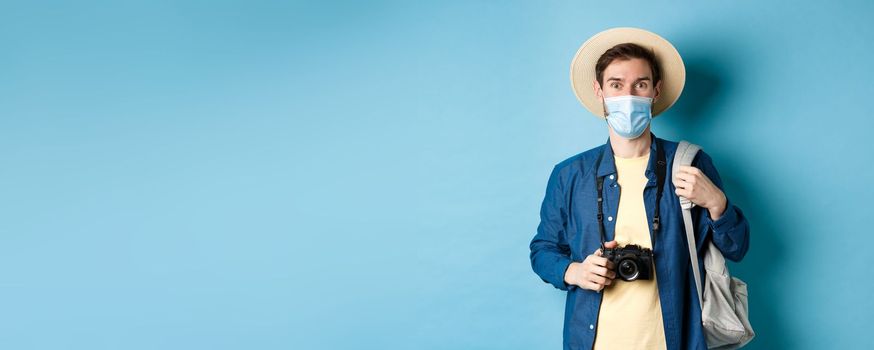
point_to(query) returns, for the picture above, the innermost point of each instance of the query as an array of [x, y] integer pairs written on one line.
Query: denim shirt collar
[[608, 166]]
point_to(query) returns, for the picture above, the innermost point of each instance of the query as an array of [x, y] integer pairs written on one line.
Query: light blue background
[[272, 175]]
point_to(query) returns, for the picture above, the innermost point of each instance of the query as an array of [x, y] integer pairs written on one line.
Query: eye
[[641, 85], [614, 85]]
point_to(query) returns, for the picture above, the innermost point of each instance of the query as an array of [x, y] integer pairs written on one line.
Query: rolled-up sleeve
[[550, 252], [731, 232]]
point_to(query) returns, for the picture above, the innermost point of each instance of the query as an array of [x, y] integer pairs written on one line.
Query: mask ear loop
[[604, 107]]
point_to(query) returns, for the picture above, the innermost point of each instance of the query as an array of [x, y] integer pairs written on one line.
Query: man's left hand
[[692, 184]]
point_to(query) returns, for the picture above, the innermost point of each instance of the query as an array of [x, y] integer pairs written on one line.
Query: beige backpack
[[724, 307]]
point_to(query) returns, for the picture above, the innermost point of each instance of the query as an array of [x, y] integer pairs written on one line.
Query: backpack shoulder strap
[[685, 154]]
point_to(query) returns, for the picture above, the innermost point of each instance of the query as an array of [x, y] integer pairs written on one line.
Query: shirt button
[[591, 326], [609, 218], [611, 177]]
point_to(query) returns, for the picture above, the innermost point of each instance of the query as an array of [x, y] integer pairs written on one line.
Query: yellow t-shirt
[[631, 313]]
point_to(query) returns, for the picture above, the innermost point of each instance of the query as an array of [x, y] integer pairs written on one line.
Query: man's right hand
[[594, 273]]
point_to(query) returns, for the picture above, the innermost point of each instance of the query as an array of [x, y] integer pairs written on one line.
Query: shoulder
[[701, 158], [579, 164], [702, 161]]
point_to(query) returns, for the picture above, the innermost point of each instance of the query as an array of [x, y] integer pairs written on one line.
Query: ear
[[596, 87], [600, 93], [658, 90]]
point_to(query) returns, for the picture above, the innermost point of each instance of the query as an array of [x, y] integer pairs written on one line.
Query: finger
[[687, 186], [610, 245], [600, 271], [690, 178], [599, 261], [689, 169], [597, 279], [585, 283], [594, 286], [684, 193], [604, 272]]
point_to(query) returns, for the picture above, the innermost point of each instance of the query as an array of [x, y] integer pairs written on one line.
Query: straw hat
[[673, 74]]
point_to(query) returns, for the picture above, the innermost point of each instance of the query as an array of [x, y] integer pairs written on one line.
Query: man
[[626, 76]]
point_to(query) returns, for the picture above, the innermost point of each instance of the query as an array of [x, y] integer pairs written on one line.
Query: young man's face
[[627, 77]]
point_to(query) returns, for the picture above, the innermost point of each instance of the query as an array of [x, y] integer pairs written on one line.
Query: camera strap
[[661, 170]]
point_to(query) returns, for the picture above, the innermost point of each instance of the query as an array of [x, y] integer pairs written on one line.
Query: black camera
[[631, 262]]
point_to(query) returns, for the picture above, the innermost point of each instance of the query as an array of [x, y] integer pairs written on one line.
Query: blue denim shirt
[[568, 232]]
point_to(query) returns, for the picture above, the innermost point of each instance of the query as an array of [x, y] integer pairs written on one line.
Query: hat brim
[[673, 71]]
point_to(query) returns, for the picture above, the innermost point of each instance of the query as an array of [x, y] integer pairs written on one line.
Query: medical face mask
[[628, 115]]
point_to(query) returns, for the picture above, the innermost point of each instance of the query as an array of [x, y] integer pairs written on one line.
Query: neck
[[625, 148]]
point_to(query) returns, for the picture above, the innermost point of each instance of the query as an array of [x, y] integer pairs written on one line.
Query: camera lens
[[628, 270]]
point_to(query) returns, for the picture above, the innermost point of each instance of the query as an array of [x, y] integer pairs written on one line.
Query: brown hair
[[624, 52]]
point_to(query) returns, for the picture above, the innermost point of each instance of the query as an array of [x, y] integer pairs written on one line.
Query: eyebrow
[[638, 79]]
